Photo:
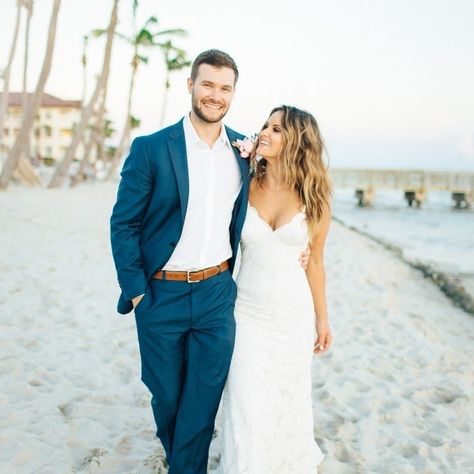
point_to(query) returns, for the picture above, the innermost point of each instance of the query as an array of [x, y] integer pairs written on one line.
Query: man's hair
[[216, 58]]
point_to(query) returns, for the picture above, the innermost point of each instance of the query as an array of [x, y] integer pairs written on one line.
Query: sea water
[[437, 234]]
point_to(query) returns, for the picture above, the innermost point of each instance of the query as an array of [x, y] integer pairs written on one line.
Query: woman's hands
[[324, 339], [304, 257]]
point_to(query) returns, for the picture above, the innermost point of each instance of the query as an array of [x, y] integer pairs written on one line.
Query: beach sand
[[395, 394]]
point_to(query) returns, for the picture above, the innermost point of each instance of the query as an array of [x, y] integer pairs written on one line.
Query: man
[[175, 230]]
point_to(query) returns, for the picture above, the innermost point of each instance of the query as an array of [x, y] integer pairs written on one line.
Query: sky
[[390, 82]]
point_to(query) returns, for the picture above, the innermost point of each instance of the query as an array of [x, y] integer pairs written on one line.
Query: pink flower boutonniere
[[246, 145]]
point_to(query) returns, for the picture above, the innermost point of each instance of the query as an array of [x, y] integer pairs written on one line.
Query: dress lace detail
[[267, 425]]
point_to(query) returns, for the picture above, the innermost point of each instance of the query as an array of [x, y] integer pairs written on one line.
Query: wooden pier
[[415, 184]]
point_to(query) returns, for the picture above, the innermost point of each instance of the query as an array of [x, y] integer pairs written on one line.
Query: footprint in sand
[[92, 461], [124, 446], [447, 395], [156, 462], [408, 450], [66, 409], [342, 454], [460, 425], [361, 387], [437, 396], [432, 441]]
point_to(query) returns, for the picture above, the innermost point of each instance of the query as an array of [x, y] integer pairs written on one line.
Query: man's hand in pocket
[[137, 300]]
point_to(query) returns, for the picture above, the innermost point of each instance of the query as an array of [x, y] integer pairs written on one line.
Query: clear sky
[[391, 82]]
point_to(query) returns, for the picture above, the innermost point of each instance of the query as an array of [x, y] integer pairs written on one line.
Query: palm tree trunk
[[29, 6], [85, 161], [63, 166], [26, 174], [84, 70], [164, 105], [124, 139], [25, 58], [29, 115], [90, 141], [99, 131], [7, 70], [119, 151]]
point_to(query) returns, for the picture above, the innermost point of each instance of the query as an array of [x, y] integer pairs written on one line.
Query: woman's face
[[270, 137]]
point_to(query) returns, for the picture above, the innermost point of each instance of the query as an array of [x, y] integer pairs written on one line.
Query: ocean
[[437, 234]]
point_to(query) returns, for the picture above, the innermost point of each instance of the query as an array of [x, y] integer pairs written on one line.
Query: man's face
[[212, 92]]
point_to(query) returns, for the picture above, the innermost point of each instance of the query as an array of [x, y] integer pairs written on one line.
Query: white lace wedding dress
[[267, 425]]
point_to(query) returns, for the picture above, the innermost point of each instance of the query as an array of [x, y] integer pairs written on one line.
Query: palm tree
[[60, 173], [175, 60], [7, 70], [28, 4], [30, 114], [99, 130], [144, 38], [85, 40], [88, 138], [100, 127], [88, 144], [96, 135]]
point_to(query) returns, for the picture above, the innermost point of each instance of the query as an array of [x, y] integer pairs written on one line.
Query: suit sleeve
[[133, 197]]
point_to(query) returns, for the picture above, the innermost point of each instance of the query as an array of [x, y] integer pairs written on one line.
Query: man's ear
[[190, 85]]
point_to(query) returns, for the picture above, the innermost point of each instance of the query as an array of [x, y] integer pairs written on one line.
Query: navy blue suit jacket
[[148, 217]]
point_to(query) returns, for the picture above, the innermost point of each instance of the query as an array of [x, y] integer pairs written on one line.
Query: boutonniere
[[246, 145]]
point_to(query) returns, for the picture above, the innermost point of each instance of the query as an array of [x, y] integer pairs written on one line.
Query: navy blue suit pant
[[186, 337]]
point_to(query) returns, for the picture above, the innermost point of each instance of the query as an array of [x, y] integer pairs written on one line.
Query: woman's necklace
[[276, 193]]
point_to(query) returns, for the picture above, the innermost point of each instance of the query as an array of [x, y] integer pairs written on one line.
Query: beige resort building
[[53, 129]]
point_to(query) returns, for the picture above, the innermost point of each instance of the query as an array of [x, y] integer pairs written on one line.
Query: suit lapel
[[243, 162], [177, 150]]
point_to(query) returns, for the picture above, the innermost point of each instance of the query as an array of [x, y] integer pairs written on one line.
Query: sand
[[395, 394]]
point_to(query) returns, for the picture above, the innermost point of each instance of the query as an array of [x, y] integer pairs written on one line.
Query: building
[[53, 128]]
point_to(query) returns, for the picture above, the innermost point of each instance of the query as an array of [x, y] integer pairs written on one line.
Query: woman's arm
[[317, 281]]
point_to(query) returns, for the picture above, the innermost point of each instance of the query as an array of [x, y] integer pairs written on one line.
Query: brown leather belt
[[193, 276]]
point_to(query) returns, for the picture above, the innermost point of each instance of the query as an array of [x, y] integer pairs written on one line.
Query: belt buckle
[[188, 273]]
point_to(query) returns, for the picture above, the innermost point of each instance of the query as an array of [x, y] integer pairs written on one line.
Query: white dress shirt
[[215, 181]]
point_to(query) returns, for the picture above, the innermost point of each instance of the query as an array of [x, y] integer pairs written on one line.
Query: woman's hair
[[301, 163]]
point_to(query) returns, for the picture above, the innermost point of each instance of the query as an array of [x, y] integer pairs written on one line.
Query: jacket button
[[173, 244]]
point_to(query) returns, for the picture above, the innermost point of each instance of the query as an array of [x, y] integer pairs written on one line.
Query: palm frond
[[124, 37], [134, 8], [172, 32], [144, 38], [98, 32], [153, 20]]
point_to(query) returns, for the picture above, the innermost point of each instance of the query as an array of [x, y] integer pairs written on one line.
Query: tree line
[[93, 128]]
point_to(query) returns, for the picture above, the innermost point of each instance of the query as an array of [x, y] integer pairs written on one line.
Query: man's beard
[[205, 118]]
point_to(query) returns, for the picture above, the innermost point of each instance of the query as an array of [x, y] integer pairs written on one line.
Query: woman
[[267, 408]]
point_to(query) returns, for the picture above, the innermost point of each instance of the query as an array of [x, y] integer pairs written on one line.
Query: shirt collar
[[193, 138]]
